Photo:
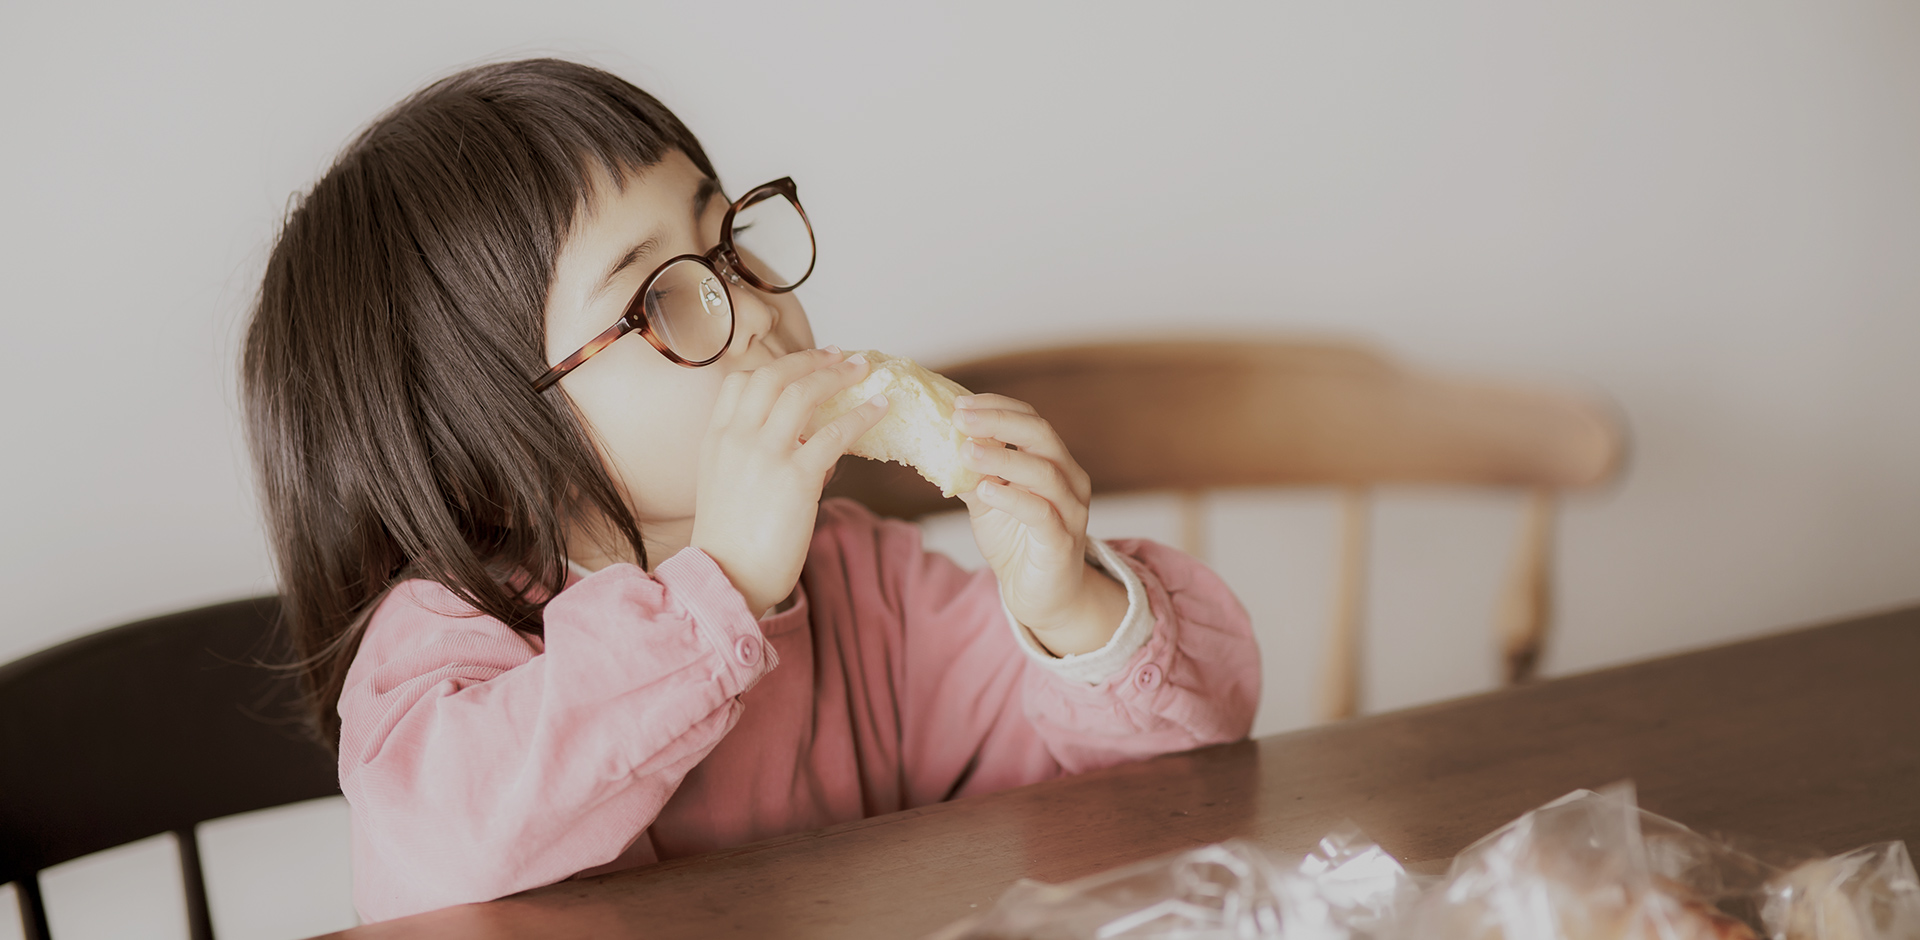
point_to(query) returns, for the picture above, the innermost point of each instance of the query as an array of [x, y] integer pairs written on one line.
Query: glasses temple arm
[[620, 328]]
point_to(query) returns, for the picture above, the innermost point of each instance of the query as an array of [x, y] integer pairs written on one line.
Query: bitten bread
[[918, 428]]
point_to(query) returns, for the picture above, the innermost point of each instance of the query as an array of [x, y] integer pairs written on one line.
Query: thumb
[[975, 508]]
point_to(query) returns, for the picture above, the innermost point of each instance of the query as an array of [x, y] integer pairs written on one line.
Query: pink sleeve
[[478, 764], [980, 715]]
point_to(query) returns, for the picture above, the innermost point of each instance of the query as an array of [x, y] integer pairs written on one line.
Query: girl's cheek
[[682, 426], [794, 327], [651, 422], [699, 404], [663, 462]]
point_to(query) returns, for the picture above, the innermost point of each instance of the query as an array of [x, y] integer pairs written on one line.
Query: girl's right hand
[[759, 484]]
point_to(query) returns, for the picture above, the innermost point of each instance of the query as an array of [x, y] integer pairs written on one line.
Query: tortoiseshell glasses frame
[[723, 261]]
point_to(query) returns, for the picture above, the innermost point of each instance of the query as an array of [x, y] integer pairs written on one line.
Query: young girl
[[569, 604]]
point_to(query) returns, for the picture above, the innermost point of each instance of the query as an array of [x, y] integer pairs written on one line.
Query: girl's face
[[648, 413]]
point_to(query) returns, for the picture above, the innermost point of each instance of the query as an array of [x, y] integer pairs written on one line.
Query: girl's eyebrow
[[702, 195], [709, 188], [632, 257]]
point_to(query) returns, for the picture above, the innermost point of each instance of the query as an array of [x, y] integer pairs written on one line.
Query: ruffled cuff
[[1136, 628]]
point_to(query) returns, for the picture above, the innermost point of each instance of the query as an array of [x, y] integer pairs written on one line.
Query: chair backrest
[[1189, 416], [144, 729]]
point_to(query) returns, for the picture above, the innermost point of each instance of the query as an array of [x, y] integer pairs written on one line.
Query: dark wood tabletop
[[1809, 738]]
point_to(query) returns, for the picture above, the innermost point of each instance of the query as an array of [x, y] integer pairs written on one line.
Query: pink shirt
[[660, 719]]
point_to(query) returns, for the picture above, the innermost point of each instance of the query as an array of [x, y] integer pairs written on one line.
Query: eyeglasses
[[685, 308]]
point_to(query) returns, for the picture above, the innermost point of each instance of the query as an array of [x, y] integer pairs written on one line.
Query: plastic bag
[[1590, 866], [1867, 894], [1348, 888]]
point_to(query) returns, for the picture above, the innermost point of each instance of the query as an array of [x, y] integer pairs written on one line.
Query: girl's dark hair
[[389, 363]]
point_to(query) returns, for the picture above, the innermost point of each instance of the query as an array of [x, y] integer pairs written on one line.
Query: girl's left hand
[[1030, 520]]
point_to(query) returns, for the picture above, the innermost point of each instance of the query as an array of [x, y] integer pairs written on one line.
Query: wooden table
[[1806, 738]]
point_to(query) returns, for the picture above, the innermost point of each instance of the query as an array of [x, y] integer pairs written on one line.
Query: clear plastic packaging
[[1347, 888], [1588, 866], [1867, 894]]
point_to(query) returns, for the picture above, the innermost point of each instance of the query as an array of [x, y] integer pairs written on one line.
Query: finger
[[795, 407], [1030, 433], [986, 400], [1023, 429], [1032, 471], [725, 403], [1030, 510], [829, 443], [766, 383], [975, 505]]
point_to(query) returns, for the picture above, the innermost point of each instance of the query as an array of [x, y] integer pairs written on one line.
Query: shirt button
[[1148, 678], [747, 649]]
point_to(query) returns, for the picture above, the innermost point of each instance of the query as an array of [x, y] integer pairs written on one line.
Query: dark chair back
[[148, 728]]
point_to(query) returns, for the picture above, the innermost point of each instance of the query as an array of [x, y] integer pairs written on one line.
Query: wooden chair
[[148, 728], [1191, 416]]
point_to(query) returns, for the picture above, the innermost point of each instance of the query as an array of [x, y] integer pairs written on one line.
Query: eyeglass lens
[[689, 310], [771, 238]]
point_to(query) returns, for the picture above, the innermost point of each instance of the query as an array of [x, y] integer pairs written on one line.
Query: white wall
[[1707, 211]]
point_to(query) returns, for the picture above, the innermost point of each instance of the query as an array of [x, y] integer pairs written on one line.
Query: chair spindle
[[1340, 690], [1193, 523], [194, 882], [33, 908], [1526, 610]]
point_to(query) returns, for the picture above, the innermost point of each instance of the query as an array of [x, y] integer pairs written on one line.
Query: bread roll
[[918, 428], [1611, 915], [1811, 902]]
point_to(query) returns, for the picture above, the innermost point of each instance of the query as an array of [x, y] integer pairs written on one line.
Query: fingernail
[[988, 486], [880, 400], [962, 415], [963, 401], [857, 358], [831, 349]]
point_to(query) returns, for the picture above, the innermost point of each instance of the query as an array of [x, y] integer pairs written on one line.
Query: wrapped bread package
[[1588, 866], [1870, 893], [1347, 888], [918, 428]]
